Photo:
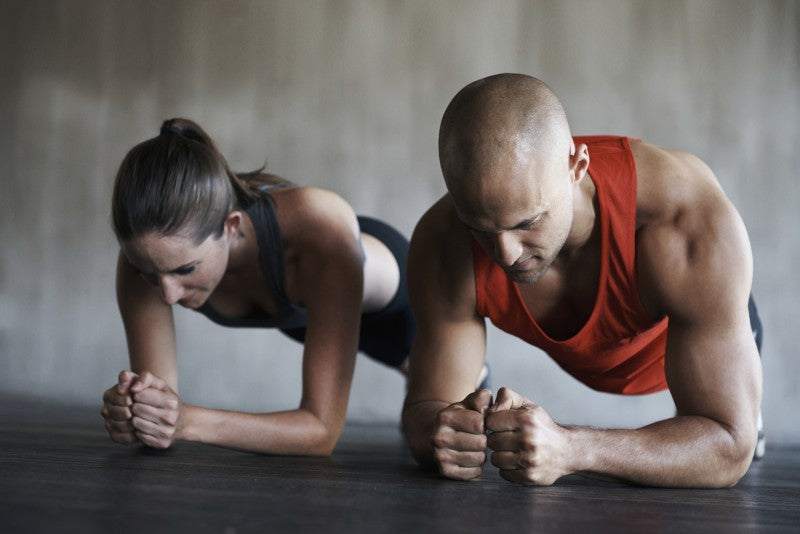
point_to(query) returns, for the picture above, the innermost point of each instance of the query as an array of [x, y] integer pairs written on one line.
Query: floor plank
[[60, 473]]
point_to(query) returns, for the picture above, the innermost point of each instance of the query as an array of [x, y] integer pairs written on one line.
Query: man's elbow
[[419, 442], [735, 459]]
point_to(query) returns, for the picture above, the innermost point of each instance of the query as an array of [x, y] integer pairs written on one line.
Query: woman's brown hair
[[179, 183]]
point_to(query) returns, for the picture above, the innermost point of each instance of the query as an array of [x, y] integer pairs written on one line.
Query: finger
[[142, 382], [478, 401], [507, 460], [157, 398], [508, 399], [124, 381], [116, 413], [448, 439], [460, 419], [143, 426], [504, 441], [504, 420], [112, 396], [460, 465], [148, 380], [460, 473], [155, 415], [460, 459], [119, 427]]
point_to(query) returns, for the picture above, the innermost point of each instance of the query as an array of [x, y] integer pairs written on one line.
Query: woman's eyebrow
[[170, 271]]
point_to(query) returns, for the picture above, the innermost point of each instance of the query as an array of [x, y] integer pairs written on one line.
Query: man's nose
[[508, 248]]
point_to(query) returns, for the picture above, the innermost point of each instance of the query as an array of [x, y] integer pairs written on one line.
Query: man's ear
[[578, 161]]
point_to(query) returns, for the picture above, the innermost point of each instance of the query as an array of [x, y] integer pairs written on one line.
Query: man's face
[[520, 212]]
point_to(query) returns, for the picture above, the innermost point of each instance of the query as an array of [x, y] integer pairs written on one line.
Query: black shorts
[[386, 335]]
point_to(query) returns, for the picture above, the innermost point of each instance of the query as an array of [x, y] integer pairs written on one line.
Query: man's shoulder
[[440, 255], [687, 230], [670, 183], [440, 228]]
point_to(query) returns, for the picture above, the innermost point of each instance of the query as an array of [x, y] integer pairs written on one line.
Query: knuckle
[[526, 462], [449, 470], [527, 420], [528, 446], [445, 417], [440, 440], [441, 456]]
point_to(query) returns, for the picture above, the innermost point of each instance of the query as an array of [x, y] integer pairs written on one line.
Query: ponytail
[[178, 183]]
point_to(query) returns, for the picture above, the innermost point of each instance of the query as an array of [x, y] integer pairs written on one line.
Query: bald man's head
[[496, 118]]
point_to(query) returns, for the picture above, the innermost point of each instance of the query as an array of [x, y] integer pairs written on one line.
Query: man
[[624, 261]]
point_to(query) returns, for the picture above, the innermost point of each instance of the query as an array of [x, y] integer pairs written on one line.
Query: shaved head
[[495, 118], [512, 170]]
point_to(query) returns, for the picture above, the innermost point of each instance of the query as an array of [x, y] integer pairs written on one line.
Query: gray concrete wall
[[347, 95]]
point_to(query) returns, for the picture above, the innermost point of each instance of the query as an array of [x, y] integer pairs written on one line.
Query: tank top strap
[[270, 251]]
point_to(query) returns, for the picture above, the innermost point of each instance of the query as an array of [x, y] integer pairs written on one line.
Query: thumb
[[124, 381], [479, 400], [148, 380], [507, 399], [142, 382]]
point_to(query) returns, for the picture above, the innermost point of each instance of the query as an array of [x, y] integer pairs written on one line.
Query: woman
[[246, 250]]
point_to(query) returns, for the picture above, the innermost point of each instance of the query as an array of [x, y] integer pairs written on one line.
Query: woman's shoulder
[[313, 214]]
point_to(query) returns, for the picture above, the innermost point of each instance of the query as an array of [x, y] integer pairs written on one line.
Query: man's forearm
[[687, 451], [418, 423]]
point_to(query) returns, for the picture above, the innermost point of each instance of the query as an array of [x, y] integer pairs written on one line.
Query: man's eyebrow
[[528, 222], [519, 226], [184, 266]]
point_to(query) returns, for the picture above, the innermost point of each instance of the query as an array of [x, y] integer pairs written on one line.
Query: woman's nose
[[171, 289]]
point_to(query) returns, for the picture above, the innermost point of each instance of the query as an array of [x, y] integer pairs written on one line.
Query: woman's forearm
[[294, 432]]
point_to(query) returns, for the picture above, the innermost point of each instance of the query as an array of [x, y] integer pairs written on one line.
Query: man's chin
[[524, 277]]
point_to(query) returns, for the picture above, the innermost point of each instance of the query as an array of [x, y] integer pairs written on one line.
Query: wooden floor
[[59, 473]]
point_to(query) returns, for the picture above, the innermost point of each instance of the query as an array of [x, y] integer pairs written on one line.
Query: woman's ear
[[233, 223]]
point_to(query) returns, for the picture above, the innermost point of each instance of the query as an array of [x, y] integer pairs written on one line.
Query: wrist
[[580, 455], [185, 427]]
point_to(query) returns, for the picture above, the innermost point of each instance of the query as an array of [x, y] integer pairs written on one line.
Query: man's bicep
[[450, 344]]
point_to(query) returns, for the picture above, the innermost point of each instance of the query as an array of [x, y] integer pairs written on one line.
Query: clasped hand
[[141, 408], [528, 446]]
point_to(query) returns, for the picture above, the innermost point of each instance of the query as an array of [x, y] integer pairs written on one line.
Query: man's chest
[[563, 300]]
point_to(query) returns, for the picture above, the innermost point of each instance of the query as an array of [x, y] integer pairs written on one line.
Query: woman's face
[[185, 273]]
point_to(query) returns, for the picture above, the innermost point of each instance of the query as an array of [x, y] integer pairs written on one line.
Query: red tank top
[[620, 349]]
